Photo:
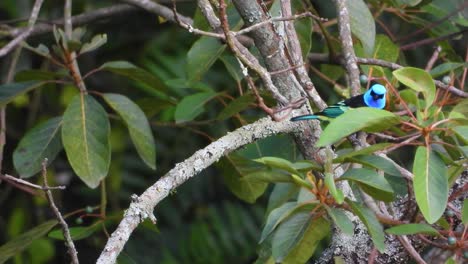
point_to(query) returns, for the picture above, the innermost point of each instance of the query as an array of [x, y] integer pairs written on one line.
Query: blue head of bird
[[375, 96]]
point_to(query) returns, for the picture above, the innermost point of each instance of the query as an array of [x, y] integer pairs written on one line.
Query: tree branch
[[346, 40], [142, 206]]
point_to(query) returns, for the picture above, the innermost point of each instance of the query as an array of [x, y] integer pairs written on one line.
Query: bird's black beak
[[377, 96]]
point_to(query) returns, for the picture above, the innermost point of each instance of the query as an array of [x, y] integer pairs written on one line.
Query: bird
[[374, 97]]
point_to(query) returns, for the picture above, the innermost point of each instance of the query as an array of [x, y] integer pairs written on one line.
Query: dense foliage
[[109, 106]]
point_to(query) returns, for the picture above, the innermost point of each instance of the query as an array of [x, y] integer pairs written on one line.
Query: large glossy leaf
[[373, 225], [341, 220], [235, 169], [43, 141], [135, 73], [203, 53], [430, 184], [192, 106], [277, 216], [362, 24], [20, 243], [289, 233], [371, 182], [365, 118], [282, 192], [278, 163], [377, 162], [317, 230], [37, 75], [365, 151], [418, 80], [445, 68], [411, 229], [85, 136], [137, 124], [10, 91], [384, 49]]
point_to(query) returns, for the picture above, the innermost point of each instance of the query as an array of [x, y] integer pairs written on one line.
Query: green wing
[[334, 110]]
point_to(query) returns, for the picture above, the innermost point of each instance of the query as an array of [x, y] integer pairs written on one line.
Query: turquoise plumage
[[374, 97]]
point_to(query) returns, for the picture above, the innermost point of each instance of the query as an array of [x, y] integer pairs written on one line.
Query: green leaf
[[365, 151], [317, 230], [281, 193], [191, 106], [460, 110], [430, 184], [371, 182], [37, 75], [341, 220], [76, 233], [289, 233], [336, 193], [232, 65], [85, 136], [362, 24], [412, 229], [10, 91], [276, 217], [376, 162], [353, 120], [268, 176], [137, 124], [135, 73], [465, 212], [278, 163], [445, 68], [373, 225], [96, 42], [235, 169], [43, 141], [384, 49], [20, 243], [303, 29], [201, 56], [235, 106], [418, 80]]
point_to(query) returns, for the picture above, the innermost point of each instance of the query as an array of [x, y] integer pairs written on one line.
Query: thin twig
[[407, 245], [433, 58], [66, 231], [17, 40], [32, 185], [247, 58], [427, 41]]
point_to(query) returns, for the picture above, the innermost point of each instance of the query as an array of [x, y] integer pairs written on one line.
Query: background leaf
[[192, 106], [235, 168], [137, 124], [43, 141], [85, 136], [362, 24], [341, 220], [20, 243], [203, 53], [430, 184], [418, 80], [10, 91]]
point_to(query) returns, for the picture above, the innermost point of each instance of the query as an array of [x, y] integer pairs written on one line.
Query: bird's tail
[[305, 117]]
